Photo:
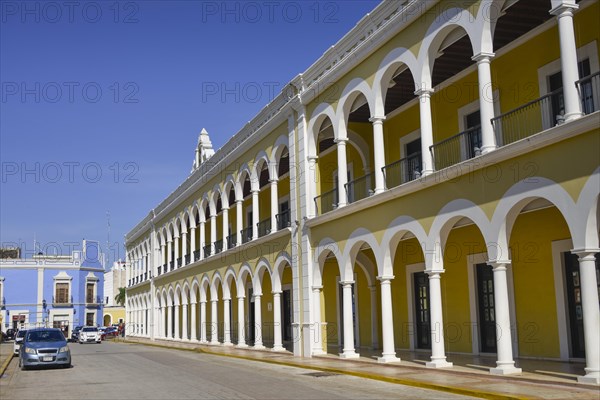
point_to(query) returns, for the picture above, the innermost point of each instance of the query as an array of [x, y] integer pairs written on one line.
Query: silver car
[[44, 347]]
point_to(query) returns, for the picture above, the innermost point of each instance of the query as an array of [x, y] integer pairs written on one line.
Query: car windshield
[[90, 329], [21, 334], [45, 336]]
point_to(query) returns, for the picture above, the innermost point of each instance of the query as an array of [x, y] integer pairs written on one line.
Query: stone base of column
[[438, 363], [505, 369], [215, 342], [278, 348], [388, 358], [572, 116], [258, 347], [227, 344], [241, 346], [349, 354], [592, 377], [203, 341], [317, 352], [487, 149]]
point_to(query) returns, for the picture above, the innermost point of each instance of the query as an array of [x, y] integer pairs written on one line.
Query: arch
[[203, 204], [245, 172], [204, 285], [321, 113], [282, 259], [170, 295], [350, 93], [281, 143], [453, 18], [445, 220], [516, 198], [385, 72], [195, 285], [193, 214], [587, 214], [178, 294], [244, 272], [185, 292], [394, 233], [227, 187], [214, 285], [260, 162], [213, 199], [367, 267], [353, 246], [228, 277], [261, 266], [326, 246]]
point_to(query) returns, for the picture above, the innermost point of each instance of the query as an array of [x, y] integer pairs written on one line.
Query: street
[[127, 371]]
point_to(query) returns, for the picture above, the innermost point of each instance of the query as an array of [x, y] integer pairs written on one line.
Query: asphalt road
[[126, 371]]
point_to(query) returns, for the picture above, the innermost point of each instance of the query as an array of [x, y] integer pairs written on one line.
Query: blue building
[[61, 291]]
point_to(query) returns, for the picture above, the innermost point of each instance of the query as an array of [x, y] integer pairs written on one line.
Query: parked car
[[89, 334], [44, 347], [18, 340], [110, 332], [75, 333], [10, 334]]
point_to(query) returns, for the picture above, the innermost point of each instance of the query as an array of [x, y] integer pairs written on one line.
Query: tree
[[120, 298]]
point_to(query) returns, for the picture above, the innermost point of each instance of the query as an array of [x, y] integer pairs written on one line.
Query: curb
[[5, 364], [402, 381]]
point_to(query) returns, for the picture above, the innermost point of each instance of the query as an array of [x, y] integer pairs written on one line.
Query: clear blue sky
[[102, 102]]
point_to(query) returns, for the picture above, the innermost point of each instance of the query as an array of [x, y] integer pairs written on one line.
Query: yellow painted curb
[[5, 364], [401, 381]]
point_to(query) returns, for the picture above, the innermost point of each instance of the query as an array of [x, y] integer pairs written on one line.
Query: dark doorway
[[286, 317], [422, 317], [251, 320], [487, 310]]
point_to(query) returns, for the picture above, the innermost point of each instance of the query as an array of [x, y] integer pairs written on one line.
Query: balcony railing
[[62, 301], [264, 227], [159, 270], [93, 300], [207, 250], [360, 188], [145, 276], [196, 255], [529, 119], [231, 241], [246, 234], [218, 246], [283, 219], [171, 265], [404, 170], [589, 92], [457, 148], [326, 202], [179, 262], [187, 259]]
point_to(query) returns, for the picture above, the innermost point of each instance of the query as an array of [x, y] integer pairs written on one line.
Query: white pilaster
[[214, 323], [277, 340], [317, 348], [193, 331], [169, 322], [255, 214], [258, 344], [184, 249], [213, 233], [312, 186], [202, 239], [203, 321], [184, 323], [238, 222], [486, 101], [348, 350], [274, 205], [342, 172], [241, 323], [192, 243], [225, 225], [438, 352], [379, 152], [387, 321], [426, 129]]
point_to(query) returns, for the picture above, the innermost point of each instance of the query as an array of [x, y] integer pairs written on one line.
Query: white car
[[18, 340], [89, 334]]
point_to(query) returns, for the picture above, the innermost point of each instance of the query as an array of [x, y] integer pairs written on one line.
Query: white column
[[226, 319], [258, 344], [214, 323], [312, 186], [176, 310], [192, 243], [239, 221], [169, 254], [203, 321], [387, 321], [342, 172], [505, 364], [568, 58], [169, 322], [184, 323], [176, 255], [591, 315], [161, 322], [348, 350], [241, 323], [379, 152], [426, 129], [184, 250], [274, 205], [213, 233], [316, 301], [255, 214], [277, 340], [225, 226], [486, 101], [193, 332], [202, 239], [374, 324], [438, 351], [162, 256]]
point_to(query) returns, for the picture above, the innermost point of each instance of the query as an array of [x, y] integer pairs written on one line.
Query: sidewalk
[[457, 380]]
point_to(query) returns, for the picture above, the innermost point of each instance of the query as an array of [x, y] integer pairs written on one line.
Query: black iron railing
[[196, 255], [218, 246], [179, 262], [246, 234], [284, 219], [231, 241], [207, 250], [264, 227], [360, 188], [171, 265], [460, 147], [529, 119], [326, 202], [589, 92], [404, 170], [187, 259]]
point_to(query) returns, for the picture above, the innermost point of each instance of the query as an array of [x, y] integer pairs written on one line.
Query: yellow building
[[430, 184]]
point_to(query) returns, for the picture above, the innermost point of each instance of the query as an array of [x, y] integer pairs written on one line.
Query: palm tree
[[120, 298]]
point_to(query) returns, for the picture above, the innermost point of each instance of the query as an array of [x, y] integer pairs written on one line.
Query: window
[[62, 293], [89, 293], [89, 319]]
